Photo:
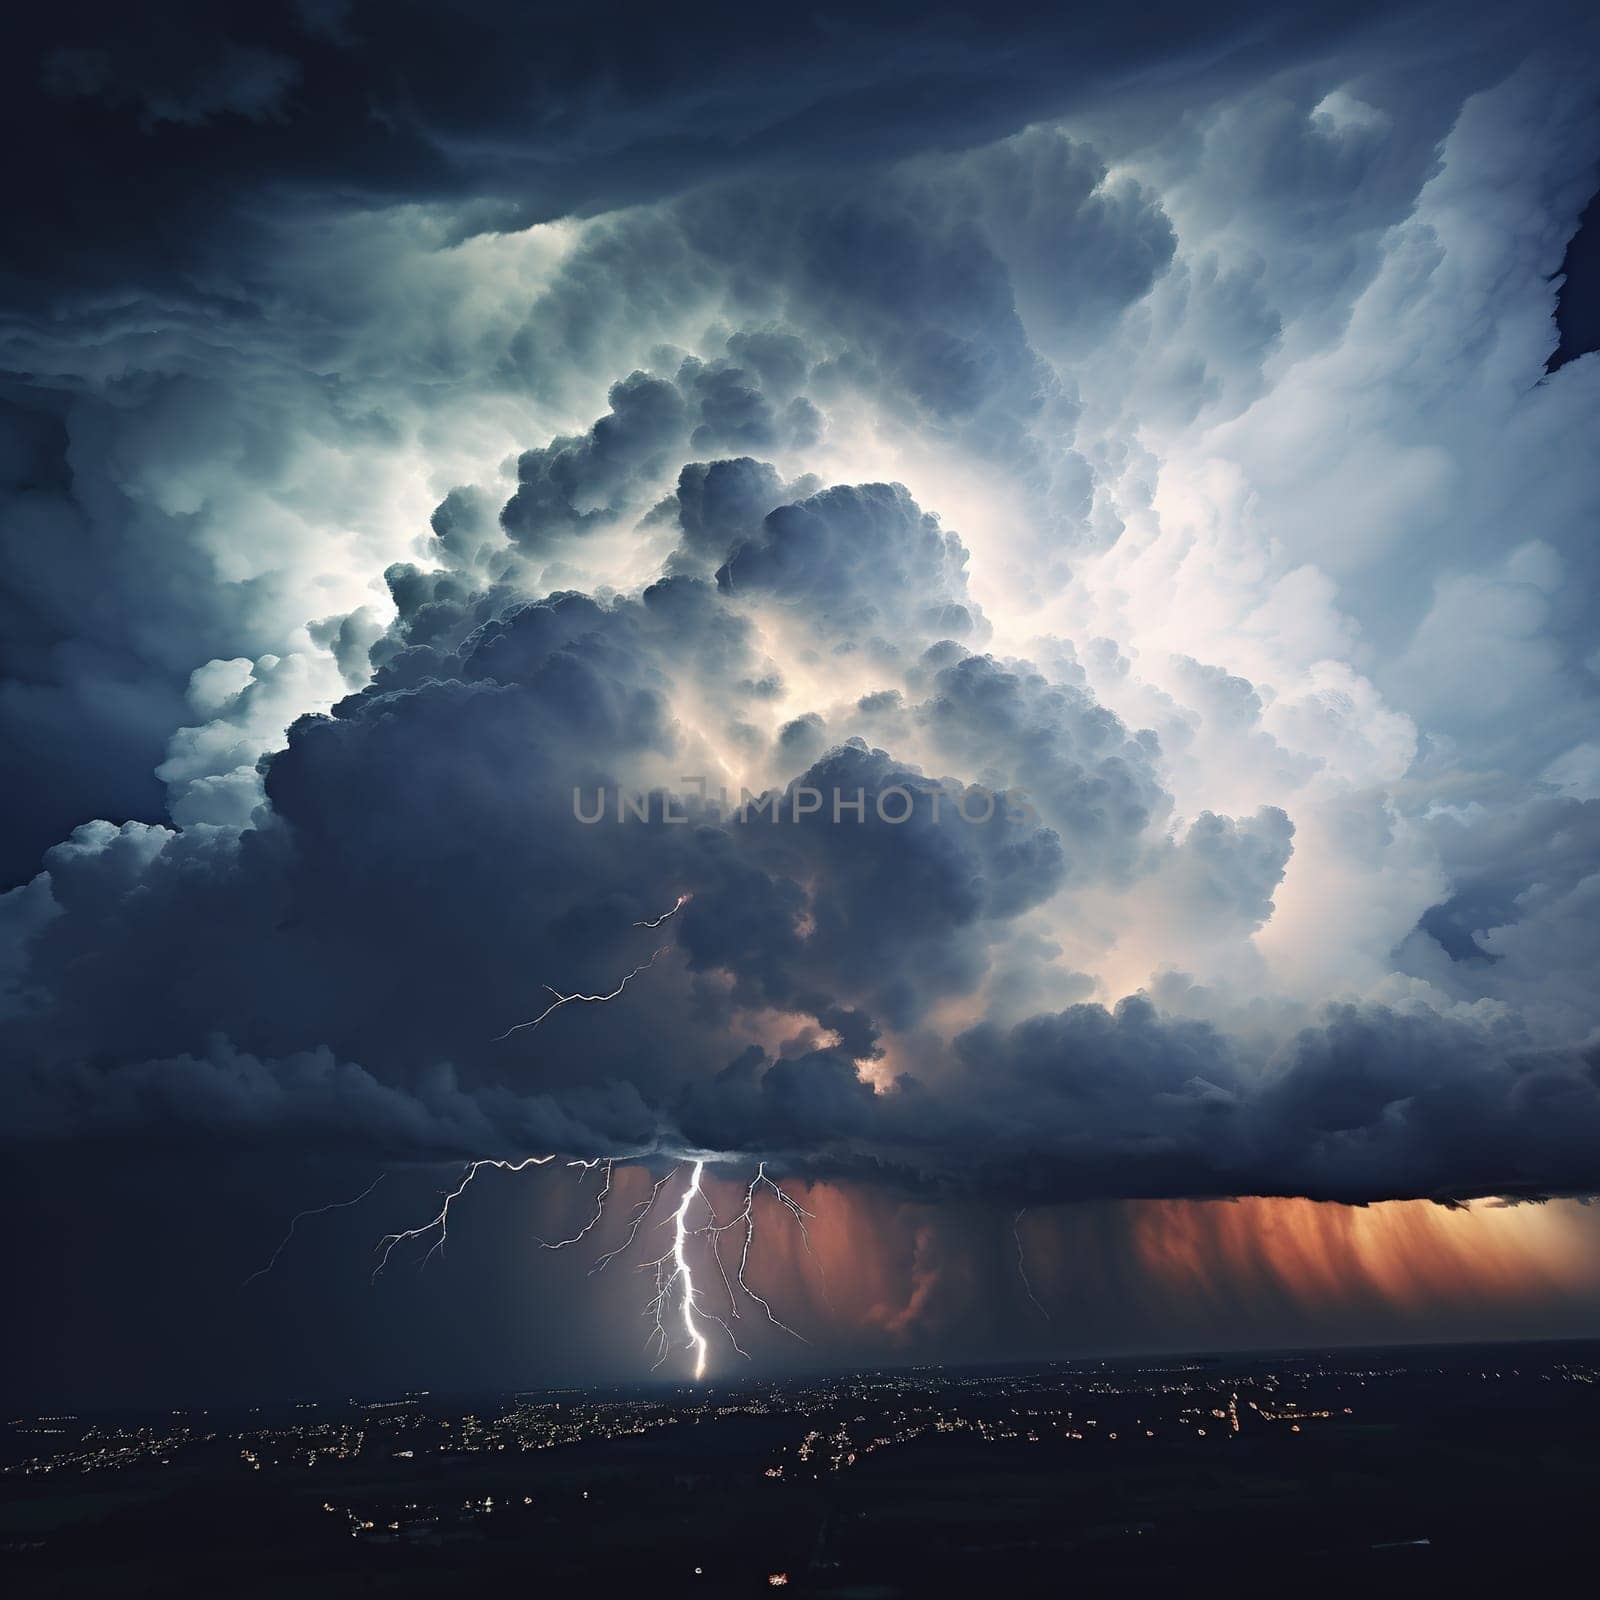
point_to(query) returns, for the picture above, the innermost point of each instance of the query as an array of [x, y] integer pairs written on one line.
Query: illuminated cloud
[[1174, 482]]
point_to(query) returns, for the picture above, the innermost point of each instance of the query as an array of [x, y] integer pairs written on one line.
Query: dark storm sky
[[1180, 420]]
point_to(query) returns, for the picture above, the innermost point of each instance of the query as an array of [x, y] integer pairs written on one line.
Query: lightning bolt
[[672, 1269], [678, 905], [299, 1217], [635, 1222], [584, 999], [442, 1221], [747, 1217], [1022, 1264], [680, 1260], [599, 999], [675, 1288], [599, 1209]]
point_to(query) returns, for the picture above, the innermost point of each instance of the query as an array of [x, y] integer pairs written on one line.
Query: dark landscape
[[1382, 1469]]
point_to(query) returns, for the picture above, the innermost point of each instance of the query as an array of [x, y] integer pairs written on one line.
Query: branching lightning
[[747, 1217], [599, 999], [680, 1272], [299, 1216], [441, 1222], [599, 1209], [584, 999], [635, 1222], [675, 1291]]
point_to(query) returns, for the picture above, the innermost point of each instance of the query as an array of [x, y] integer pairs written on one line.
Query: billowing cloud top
[[1027, 641]]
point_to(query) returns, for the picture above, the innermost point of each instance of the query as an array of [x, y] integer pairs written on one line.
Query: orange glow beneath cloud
[[894, 1274], [893, 1279], [1408, 1255]]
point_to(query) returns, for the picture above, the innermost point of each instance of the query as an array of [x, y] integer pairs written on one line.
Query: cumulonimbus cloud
[[995, 478]]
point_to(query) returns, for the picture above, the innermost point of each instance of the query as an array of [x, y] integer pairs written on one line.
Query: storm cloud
[[1143, 521]]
